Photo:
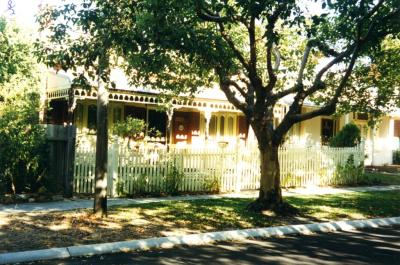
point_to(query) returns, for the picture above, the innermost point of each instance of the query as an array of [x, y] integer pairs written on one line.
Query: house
[[207, 118]]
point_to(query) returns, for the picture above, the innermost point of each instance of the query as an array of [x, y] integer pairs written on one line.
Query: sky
[[25, 10]]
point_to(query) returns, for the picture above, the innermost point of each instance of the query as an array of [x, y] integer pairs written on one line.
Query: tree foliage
[[22, 140], [259, 53], [130, 128], [376, 82]]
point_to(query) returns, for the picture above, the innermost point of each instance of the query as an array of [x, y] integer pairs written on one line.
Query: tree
[[22, 140], [248, 48], [73, 43], [376, 82], [241, 44]]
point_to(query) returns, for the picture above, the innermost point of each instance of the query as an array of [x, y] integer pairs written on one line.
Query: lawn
[[377, 178], [43, 230]]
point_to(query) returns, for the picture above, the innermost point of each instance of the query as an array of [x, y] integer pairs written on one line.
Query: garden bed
[[38, 230], [29, 197]]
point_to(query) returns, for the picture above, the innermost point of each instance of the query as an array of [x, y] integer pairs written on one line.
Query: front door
[[181, 127], [327, 130]]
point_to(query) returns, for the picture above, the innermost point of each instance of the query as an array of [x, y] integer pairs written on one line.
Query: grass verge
[[378, 178], [20, 232]]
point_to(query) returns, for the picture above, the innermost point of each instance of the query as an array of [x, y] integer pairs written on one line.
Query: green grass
[[231, 213], [60, 229], [375, 178], [350, 205]]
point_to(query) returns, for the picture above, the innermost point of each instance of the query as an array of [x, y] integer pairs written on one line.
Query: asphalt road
[[371, 246]]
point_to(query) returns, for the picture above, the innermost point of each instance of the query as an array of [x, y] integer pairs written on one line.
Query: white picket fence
[[152, 170]]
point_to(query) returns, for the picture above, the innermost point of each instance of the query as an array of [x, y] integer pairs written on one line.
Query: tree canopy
[[22, 139], [258, 52]]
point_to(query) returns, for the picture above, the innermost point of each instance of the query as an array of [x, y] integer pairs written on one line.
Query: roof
[[60, 81], [57, 80]]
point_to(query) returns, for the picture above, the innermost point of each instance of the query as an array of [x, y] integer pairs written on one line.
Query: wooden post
[[113, 168], [70, 148], [207, 116], [100, 197], [70, 159], [43, 101], [170, 114]]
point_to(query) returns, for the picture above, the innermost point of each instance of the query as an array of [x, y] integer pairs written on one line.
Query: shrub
[[23, 147], [133, 128], [349, 136], [22, 140], [349, 173], [130, 128], [173, 181]]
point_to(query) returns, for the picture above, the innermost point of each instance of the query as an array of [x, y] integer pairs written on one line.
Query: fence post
[[238, 178], [113, 167]]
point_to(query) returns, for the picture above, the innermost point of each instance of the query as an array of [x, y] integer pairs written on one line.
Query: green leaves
[[180, 46], [131, 127], [349, 136], [23, 147]]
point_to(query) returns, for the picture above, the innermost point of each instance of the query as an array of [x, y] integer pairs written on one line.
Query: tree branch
[[277, 55], [238, 88], [303, 64], [270, 44], [324, 48], [230, 95], [270, 70], [373, 10], [252, 42], [294, 114], [231, 44], [207, 15], [330, 107], [284, 93]]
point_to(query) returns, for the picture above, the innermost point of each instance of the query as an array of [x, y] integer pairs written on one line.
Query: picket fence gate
[[209, 169]]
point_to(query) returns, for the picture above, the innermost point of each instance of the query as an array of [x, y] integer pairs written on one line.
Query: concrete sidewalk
[[85, 203]]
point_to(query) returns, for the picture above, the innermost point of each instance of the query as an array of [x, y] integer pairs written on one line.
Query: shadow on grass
[[20, 232]]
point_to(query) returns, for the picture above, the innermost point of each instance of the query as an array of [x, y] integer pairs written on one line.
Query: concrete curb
[[192, 240]]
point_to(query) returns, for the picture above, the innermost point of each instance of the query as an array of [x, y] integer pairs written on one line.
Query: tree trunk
[[70, 152], [270, 194], [270, 186], [100, 196]]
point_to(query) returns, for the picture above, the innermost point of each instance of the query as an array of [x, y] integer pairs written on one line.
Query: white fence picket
[[147, 170]]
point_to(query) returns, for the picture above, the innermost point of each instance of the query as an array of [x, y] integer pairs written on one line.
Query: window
[[92, 117], [158, 121], [360, 116], [213, 126], [222, 125], [117, 115], [230, 131], [397, 128], [78, 115]]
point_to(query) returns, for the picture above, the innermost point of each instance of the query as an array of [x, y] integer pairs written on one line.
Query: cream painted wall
[[381, 143], [311, 131]]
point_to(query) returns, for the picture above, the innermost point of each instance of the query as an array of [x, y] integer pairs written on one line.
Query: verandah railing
[[212, 169]]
